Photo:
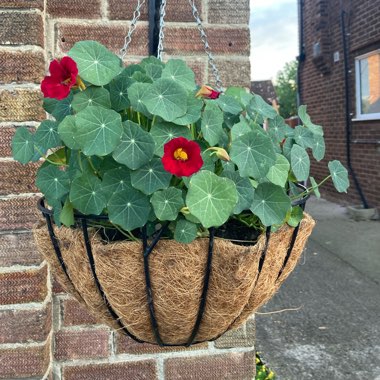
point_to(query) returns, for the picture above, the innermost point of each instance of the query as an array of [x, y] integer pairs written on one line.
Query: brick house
[[44, 333], [333, 33]]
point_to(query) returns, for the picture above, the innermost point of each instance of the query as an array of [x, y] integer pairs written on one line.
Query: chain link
[[132, 27], [161, 35], [160, 48], [211, 61]]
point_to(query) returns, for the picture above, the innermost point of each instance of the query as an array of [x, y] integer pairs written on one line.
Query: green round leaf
[[153, 71], [303, 137], [179, 72], [151, 177], [92, 96], [96, 64], [339, 176], [277, 128], [66, 216], [129, 209], [67, 129], [229, 104], [116, 180], [63, 108], [119, 92], [47, 136], [136, 93], [167, 203], [87, 195], [300, 162], [315, 187], [260, 106], [278, 173], [53, 182], [253, 154], [136, 146], [318, 147], [270, 203], [212, 124], [244, 189], [240, 129], [99, 130], [166, 98], [185, 231], [210, 198], [193, 112], [162, 132], [305, 118], [296, 216], [23, 145]]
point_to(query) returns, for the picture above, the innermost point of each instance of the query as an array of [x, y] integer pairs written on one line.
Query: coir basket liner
[[242, 279]]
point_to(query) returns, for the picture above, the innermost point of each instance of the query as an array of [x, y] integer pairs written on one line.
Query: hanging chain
[[211, 61], [160, 48], [161, 35], [132, 27]]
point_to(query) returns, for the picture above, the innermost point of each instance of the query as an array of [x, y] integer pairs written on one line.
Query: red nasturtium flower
[[182, 157], [63, 76], [207, 92]]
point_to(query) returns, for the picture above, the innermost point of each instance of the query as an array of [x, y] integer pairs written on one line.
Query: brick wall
[[44, 333], [322, 89]]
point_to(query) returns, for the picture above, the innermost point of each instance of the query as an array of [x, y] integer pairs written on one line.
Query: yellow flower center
[[180, 154]]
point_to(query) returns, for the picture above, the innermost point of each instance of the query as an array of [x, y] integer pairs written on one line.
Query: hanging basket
[[165, 292]]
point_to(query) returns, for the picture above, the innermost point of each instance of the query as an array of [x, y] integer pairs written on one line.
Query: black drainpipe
[[347, 111], [301, 56], [154, 26]]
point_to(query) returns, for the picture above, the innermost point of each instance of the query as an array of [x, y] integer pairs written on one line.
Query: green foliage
[[286, 89], [104, 144]]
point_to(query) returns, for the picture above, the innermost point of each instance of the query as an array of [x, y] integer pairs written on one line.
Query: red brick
[[126, 345], [233, 366], [57, 287], [141, 370], [19, 213], [23, 287], [18, 249], [23, 326], [21, 105], [178, 11], [6, 134], [244, 336], [87, 9], [73, 313], [25, 66], [16, 178], [180, 40], [112, 36], [228, 12], [39, 4], [24, 362], [75, 344], [325, 93], [21, 28], [233, 72]]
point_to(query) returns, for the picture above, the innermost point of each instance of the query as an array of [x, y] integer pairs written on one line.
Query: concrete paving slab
[[335, 334]]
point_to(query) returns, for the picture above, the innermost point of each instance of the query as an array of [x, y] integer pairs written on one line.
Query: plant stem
[[310, 189], [80, 161], [46, 159], [92, 165]]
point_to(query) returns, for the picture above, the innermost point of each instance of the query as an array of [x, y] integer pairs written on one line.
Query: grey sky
[[274, 36]]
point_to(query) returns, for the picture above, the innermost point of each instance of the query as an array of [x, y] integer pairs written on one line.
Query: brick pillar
[[44, 332]]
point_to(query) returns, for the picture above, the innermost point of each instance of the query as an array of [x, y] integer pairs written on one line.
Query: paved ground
[[335, 334]]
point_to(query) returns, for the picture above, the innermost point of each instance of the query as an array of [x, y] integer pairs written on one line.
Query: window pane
[[370, 84]]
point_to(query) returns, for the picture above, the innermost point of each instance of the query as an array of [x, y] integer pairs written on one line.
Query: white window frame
[[359, 115]]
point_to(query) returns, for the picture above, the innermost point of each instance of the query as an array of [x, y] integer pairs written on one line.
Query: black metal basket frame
[[146, 251]]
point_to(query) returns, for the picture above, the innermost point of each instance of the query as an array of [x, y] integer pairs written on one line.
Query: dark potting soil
[[233, 230]]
